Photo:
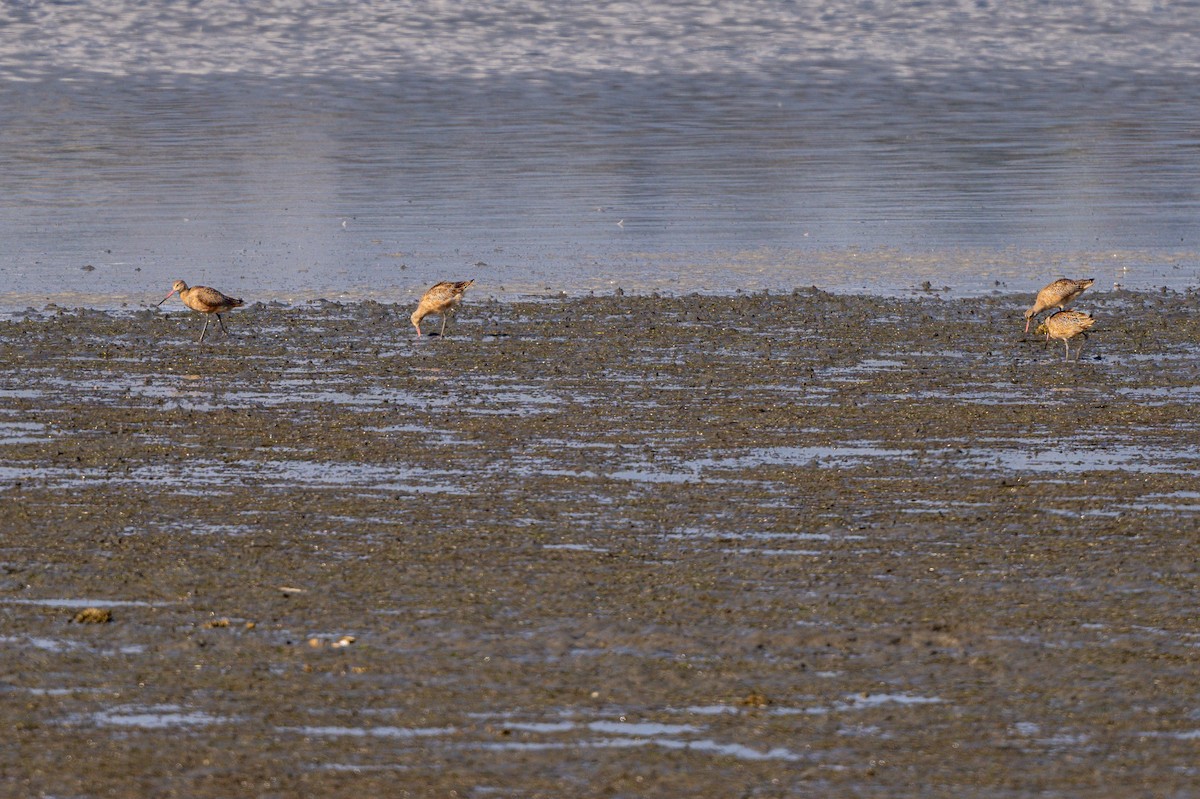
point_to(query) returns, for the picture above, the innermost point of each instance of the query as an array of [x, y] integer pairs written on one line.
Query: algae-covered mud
[[801, 545]]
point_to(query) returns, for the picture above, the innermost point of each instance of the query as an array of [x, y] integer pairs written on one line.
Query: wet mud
[[768, 545]]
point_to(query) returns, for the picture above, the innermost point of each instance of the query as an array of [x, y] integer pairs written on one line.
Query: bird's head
[[179, 286]]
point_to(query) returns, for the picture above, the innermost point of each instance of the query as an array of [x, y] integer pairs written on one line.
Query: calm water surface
[[294, 150]]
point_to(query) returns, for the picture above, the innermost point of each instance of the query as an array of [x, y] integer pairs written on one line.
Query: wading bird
[[1066, 325], [207, 301], [1056, 295], [441, 299]]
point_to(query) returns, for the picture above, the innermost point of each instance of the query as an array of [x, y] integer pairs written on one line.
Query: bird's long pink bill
[[164, 299]]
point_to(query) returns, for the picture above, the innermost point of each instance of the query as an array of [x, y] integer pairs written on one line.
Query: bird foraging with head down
[[1056, 295], [441, 299], [1066, 325]]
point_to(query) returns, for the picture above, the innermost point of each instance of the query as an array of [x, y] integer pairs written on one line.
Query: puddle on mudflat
[[1182, 735], [84, 603], [1007, 395], [856, 702], [876, 365], [287, 474], [1069, 460], [844, 456], [1161, 395], [1033, 732], [688, 735], [736, 751], [204, 477], [369, 732], [501, 401], [1183, 460], [59, 646], [23, 433], [42, 643], [714, 710], [429, 435], [1185, 354], [717, 536], [626, 734], [199, 526], [526, 466], [47, 475], [562, 443], [657, 476], [544, 727], [774, 552], [919, 506], [850, 702], [575, 547], [207, 393], [21, 393], [1188, 502], [693, 534], [289, 394], [152, 717], [641, 728], [121, 390], [856, 373], [350, 768]]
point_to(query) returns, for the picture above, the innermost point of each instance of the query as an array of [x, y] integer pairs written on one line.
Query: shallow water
[[285, 153]]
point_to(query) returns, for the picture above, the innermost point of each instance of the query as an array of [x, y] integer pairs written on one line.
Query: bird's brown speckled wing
[[441, 296], [209, 300], [1068, 324], [1061, 291]]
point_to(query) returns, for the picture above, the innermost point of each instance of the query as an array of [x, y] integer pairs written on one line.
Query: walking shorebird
[[441, 299], [1066, 325], [205, 300], [1056, 295]]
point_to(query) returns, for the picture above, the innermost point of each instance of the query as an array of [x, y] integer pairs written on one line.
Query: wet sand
[[785, 545]]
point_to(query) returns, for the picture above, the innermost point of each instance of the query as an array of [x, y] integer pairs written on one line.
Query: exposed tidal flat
[[757, 545]]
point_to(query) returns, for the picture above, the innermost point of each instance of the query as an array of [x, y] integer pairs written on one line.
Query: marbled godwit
[[1056, 295], [440, 299], [1066, 325], [206, 301]]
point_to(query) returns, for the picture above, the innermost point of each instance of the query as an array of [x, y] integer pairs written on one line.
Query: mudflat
[[761, 545]]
